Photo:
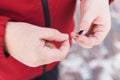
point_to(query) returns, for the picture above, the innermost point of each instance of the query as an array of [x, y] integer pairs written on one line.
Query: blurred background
[[102, 62]]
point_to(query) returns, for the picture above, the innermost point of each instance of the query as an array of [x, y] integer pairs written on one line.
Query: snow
[[102, 62]]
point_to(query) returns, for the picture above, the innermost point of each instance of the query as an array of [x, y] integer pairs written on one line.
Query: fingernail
[[81, 32]]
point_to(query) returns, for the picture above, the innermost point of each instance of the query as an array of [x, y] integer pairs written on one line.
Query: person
[[34, 35]]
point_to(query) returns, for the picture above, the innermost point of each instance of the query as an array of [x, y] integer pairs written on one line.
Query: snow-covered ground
[[102, 62]]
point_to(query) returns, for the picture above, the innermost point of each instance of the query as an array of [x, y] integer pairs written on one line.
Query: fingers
[[52, 34], [86, 22], [61, 53], [55, 54], [49, 50], [102, 25], [50, 44], [65, 47], [98, 34], [84, 41], [89, 42]]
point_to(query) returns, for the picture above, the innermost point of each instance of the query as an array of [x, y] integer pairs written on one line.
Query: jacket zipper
[[47, 20], [46, 12]]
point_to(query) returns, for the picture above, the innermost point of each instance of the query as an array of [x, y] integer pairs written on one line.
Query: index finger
[[56, 54]]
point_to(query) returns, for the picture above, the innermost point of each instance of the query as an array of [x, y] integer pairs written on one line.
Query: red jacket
[[57, 14]]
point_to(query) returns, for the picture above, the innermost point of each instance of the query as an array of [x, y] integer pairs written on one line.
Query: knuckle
[[56, 34], [62, 58]]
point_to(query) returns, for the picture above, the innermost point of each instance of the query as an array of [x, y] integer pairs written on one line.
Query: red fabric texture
[[31, 11], [3, 21]]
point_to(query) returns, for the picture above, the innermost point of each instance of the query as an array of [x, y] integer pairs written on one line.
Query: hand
[[95, 23], [32, 45]]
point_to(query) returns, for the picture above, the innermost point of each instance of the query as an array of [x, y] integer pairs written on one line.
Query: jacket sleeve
[[110, 1], [3, 21]]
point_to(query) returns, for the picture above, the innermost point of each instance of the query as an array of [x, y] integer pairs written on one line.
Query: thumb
[[85, 23], [53, 35]]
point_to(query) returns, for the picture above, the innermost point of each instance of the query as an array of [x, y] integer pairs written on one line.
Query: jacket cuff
[[3, 22], [110, 1]]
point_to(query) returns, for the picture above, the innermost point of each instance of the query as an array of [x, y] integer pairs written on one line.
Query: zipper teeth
[[46, 12], [47, 20]]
